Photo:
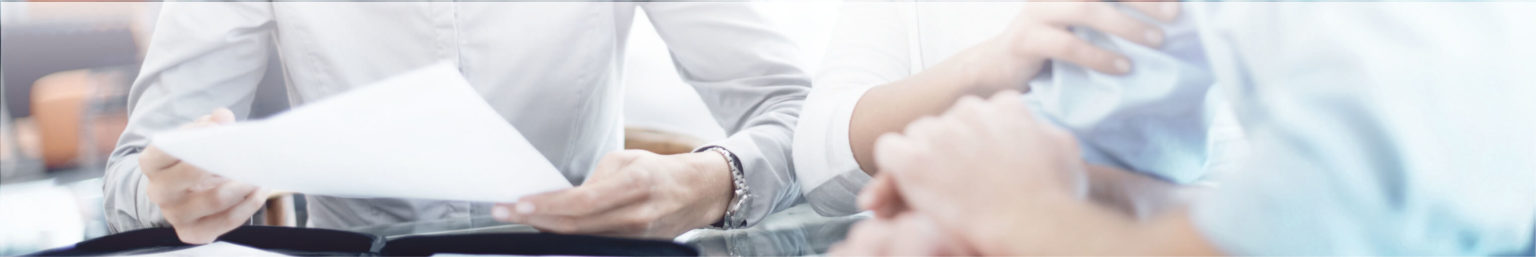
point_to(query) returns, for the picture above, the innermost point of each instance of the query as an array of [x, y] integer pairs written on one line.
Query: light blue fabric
[[1377, 128], [1154, 120]]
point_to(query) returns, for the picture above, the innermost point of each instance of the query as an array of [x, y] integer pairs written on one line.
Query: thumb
[[881, 197], [222, 116]]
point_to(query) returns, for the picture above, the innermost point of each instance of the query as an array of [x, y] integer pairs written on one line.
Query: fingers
[[608, 188], [625, 223], [221, 116], [1064, 46], [919, 236], [552, 223], [1011, 114], [629, 220], [1009, 102], [201, 206], [594, 197], [906, 161], [198, 230], [866, 238], [969, 108], [1100, 16], [909, 156], [220, 198], [969, 116], [904, 235], [1044, 31], [1164, 11], [847, 248], [892, 152], [208, 228], [881, 197], [195, 235], [238, 214]]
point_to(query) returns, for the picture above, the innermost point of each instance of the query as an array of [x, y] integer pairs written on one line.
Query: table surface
[[793, 232]]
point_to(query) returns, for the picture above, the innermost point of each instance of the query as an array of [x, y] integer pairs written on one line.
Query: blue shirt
[[1376, 128], [1156, 120]]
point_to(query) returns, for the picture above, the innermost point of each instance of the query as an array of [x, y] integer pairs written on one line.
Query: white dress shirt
[[1158, 120], [552, 70]]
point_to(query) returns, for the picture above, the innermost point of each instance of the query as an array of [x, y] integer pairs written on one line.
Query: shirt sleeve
[[1356, 149], [748, 75], [870, 47], [202, 56], [1332, 177]]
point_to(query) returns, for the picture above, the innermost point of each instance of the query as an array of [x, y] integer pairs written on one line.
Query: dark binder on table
[[325, 242]]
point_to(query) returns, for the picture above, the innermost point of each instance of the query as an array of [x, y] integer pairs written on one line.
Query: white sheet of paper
[[425, 134]]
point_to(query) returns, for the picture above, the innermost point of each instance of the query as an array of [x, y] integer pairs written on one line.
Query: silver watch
[[733, 217]]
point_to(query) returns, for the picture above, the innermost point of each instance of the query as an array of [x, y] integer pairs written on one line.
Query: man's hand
[[977, 169], [997, 138], [633, 193], [199, 205]]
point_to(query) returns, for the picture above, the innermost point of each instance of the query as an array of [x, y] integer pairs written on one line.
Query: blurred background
[[65, 69]]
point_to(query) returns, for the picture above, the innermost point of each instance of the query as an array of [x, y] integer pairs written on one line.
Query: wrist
[[985, 69], [716, 184], [972, 65]]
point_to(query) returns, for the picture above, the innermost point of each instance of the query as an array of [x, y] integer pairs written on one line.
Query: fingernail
[[1154, 37], [525, 208], [500, 213], [1122, 65]]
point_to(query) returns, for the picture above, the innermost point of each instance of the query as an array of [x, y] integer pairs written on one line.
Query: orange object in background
[[60, 104], [659, 141], [57, 103]]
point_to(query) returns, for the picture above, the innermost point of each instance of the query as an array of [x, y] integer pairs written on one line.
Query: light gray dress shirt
[[552, 70]]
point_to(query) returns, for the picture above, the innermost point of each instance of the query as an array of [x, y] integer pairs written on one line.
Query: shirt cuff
[[126, 206], [828, 174], [770, 184]]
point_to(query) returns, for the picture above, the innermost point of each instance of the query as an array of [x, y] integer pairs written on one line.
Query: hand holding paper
[[425, 134], [200, 205]]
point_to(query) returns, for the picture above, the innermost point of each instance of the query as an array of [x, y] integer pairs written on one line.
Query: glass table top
[[793, 232]]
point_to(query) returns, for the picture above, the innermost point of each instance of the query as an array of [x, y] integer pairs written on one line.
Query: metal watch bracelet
[[740, 193]]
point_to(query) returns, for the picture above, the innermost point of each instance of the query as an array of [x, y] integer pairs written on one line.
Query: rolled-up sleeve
[[871, 47], [202, 56], [748, 76]]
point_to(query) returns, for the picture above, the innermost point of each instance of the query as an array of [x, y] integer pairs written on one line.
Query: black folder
[[325, 242]]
